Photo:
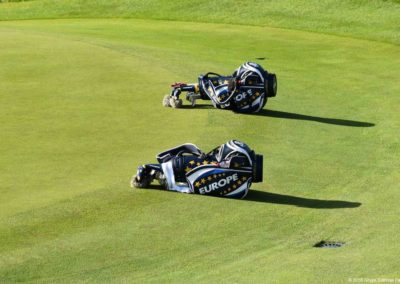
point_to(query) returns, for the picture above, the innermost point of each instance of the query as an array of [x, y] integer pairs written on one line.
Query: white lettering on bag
[[216, 185]]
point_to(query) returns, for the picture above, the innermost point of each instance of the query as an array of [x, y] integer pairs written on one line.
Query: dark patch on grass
[[328, 244], [267, 197], [335, 121], [196, 106]]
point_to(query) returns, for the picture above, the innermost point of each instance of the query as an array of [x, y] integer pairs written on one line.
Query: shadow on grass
[[197, 106], [336, 121], [156, 187], [266, 197], [297, 116]]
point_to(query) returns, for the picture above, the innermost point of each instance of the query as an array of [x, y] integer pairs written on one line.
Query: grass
[[80, 108], [370, 19]]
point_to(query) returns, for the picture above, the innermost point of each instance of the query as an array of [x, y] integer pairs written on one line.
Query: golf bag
[[246, 91], [226, 171]]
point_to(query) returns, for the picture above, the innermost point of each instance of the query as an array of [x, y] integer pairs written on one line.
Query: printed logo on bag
[[216, 185], [219, 183]]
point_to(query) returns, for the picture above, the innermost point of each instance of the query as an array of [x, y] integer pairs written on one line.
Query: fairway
[[80, 109]]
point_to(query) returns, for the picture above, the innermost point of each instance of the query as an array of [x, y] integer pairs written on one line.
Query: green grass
[[371, 19], [80, 108]]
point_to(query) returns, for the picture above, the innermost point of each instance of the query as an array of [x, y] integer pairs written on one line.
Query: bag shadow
[[336, 121], [267, 197]]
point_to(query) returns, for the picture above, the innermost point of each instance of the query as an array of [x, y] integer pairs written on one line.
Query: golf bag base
[[227, 171], [246, 91]]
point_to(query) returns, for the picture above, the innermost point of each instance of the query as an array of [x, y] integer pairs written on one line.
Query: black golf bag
[[227, 171], [246, 91]]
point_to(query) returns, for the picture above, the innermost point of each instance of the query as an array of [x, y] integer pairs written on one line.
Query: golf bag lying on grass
[[245, 91], [228, 170]]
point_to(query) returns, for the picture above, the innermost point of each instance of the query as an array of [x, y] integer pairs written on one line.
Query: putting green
[[80, 108]]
